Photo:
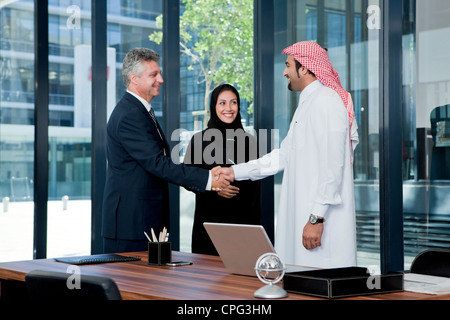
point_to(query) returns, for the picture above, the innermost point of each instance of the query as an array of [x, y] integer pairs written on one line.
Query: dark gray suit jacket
[[136, 190]]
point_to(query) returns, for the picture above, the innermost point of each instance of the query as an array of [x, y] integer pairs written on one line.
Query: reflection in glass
[[426, 127]]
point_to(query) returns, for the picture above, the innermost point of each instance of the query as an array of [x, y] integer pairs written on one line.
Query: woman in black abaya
[[223, 143]]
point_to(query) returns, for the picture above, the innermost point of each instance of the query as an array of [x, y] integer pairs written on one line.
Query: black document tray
[[341, 282]]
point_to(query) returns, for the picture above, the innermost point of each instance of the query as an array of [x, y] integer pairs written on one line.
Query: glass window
[[353, 51], [70, 76], [16, 130], [130, 23], [69, 182], [426, 127], [216, 46]]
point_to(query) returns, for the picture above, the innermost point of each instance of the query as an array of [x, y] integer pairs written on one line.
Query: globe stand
[[266, 264], [270, 291]]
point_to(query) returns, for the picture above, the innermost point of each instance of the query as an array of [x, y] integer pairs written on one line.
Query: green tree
[[217, 36]]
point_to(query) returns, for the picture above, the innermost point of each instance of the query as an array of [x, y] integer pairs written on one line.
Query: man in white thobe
[[316, 218]]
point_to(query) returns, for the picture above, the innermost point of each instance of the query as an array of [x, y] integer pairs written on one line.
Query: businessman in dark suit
[[139, 163]]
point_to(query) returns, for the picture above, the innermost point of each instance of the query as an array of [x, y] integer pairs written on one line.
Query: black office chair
[[46, 285], [432, 263]]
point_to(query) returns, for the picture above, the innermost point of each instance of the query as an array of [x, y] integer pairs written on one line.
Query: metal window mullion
[[391, 195], [264, 97], [41, 117], [99, 106], [172, 99]]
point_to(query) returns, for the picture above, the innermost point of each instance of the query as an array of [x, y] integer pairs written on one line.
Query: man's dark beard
[[289, 84]]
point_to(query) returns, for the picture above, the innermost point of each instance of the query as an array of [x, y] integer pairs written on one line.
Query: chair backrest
[[433, 263], [45, 285]]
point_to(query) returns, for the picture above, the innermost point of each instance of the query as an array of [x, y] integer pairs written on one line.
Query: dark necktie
[[152, 115]]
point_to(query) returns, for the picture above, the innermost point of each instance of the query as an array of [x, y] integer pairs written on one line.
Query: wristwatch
[[313, 219]]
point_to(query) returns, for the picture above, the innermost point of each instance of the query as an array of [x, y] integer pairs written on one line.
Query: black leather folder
[[96, 258]]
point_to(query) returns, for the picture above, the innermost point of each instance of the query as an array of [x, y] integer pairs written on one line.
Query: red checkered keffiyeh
[[315, 58]]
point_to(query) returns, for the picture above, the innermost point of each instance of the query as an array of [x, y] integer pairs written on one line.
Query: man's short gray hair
[[132, 62]]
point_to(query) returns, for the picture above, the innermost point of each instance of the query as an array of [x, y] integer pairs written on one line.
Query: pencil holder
[[159, 253]]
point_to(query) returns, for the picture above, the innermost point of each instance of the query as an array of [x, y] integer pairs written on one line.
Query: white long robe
[[317, 179]]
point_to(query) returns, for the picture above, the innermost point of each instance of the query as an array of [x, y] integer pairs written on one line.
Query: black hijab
[[232, 153], [214, 121]]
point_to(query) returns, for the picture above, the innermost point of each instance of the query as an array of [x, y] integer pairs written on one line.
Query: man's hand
[[221, 178], [312, 235], [229, 192], [228, 171]]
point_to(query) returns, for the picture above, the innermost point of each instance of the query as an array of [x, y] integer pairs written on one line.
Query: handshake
[[221, 178]]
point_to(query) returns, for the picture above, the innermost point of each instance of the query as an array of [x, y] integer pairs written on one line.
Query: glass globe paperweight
[[270, 269]]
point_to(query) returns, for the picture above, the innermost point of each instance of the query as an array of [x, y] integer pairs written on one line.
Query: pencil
[[149, 240], [154, 236]]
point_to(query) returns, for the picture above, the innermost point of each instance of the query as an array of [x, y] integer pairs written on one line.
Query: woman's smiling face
[[227, 106]]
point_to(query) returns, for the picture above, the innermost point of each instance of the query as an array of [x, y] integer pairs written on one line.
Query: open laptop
[[239, 245]]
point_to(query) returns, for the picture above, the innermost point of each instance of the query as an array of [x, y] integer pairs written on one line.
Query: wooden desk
[[206, 279]]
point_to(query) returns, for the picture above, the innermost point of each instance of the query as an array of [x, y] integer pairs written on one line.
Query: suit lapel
[[155, 126]]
